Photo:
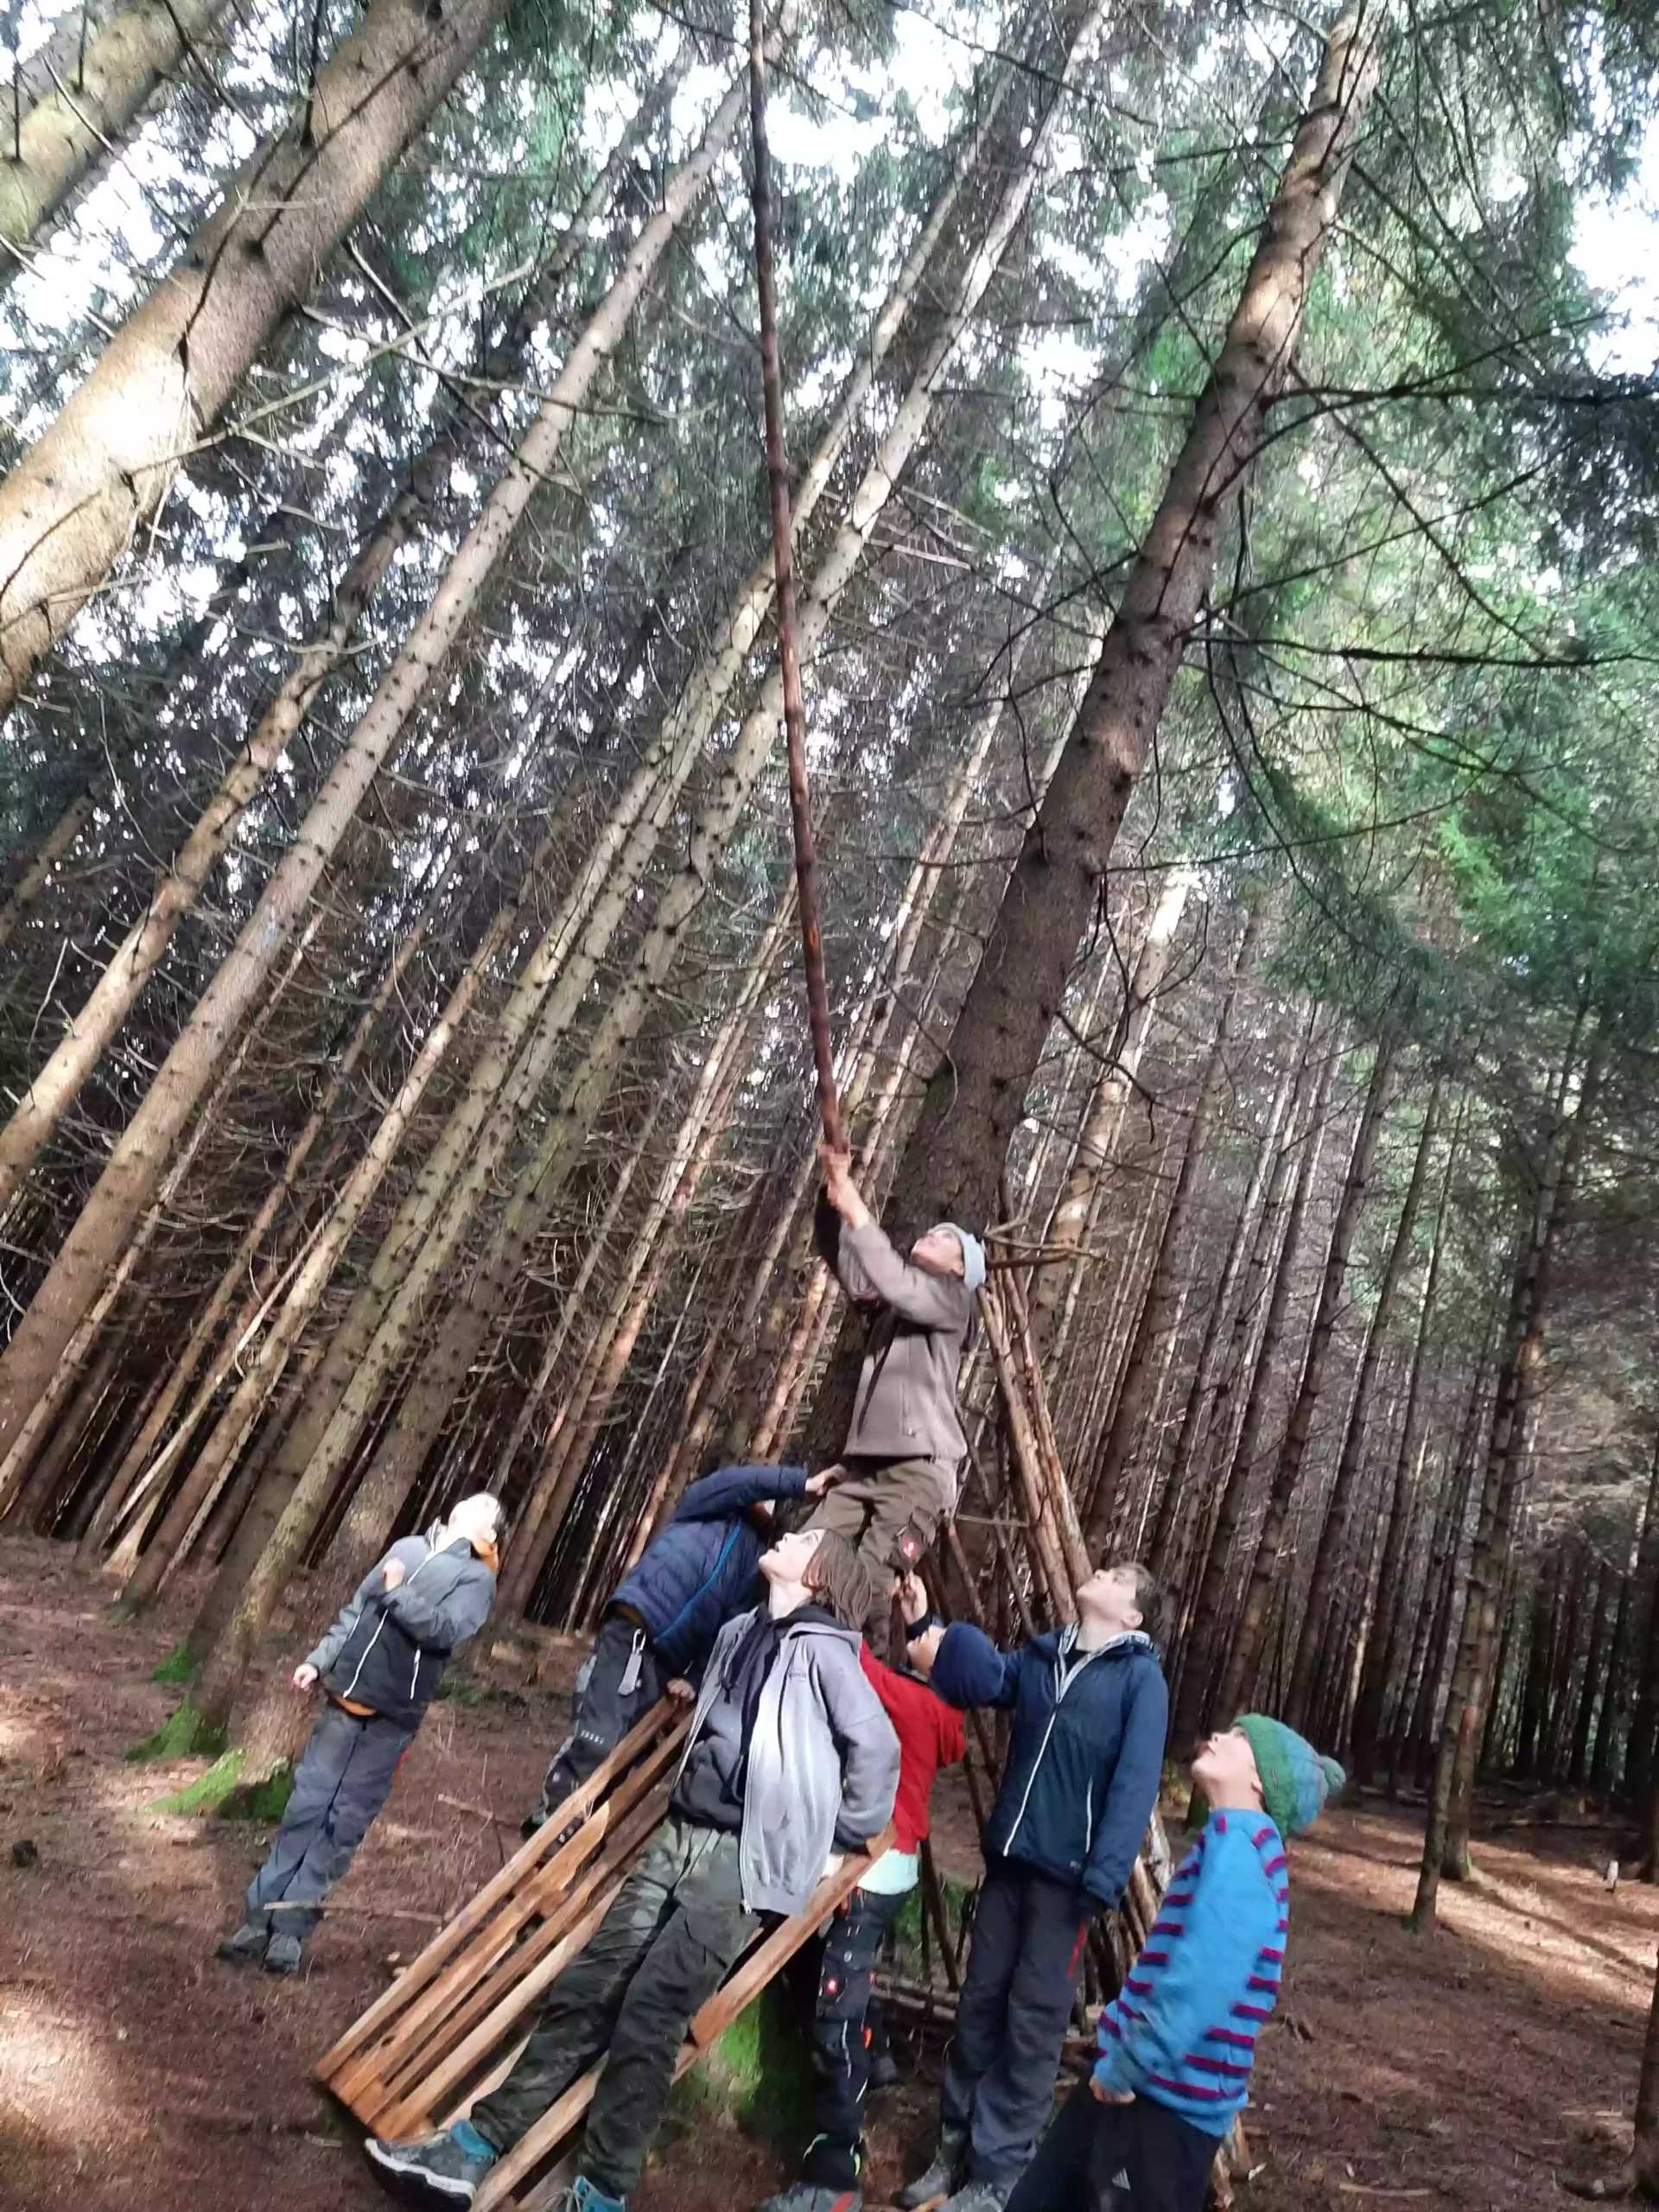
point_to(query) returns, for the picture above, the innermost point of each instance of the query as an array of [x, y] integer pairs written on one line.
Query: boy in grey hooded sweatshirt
[[790, 1762]]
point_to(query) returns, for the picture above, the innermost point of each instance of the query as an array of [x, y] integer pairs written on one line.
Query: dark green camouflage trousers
[[678, 1925]]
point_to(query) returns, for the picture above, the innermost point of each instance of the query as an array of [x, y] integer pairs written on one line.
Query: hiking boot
[[807, 2196], [980, 2197], [451, 2165], [244, 1945], [884, 2071], [943, 2175], [282, 1954]]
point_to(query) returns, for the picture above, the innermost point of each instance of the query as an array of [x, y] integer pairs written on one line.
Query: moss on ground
[[221, 1791], [209, 1792], [758, 2075], [184, 1732], [177, 1668]]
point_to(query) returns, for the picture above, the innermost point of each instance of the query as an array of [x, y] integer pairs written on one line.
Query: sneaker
[[980, 2197], [807, 2196], [584, 2196], [451, 2165], [943, 2176], [282, 1954], [246, 1946]]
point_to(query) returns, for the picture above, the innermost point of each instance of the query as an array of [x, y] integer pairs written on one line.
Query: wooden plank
[[499, 1970], [665, 1715], [560, 1892], [752, 1973], [539, 2142], [519, 1980]]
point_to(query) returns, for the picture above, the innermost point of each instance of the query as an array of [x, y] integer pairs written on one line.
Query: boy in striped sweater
[[1177, 2043]]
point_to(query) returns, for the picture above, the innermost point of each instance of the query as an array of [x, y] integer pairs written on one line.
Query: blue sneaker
[[584, 2196], [451, 2165]]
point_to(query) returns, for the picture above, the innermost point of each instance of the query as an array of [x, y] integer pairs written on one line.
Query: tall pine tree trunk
[[76, 500], [977, 1096], [84, 93], [572, 1305], [1053, 1285], [1640, 1576], [1520, 1376], [1596, 1682], [31, 878], [1382, 1653], [1154, 1325], [1220, 1562], [130, 1479], [1165, 1548], [18, 1490]]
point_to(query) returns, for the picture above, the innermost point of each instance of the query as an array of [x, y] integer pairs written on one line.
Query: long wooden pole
[[789, 657]]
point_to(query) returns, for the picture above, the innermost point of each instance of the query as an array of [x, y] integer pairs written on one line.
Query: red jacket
[[930, 1735]]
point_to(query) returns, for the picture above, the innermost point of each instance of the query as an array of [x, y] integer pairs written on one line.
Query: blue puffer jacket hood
[[699, 1571], [1087, 1751]]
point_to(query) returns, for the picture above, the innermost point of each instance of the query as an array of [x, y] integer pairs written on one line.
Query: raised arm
[[930, 1301], [969, 1668], [734, 1490], [828, 1233], [1130, 1794]]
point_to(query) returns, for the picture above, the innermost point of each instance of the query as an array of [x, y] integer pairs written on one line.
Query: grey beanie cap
[[973, 1254]]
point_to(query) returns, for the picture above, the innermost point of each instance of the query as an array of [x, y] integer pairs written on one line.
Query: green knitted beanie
[[1295, 1779]]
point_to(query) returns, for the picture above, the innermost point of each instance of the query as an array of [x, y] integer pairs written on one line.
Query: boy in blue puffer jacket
[[1091, 1710], [665, 1615], [1177, 2043]]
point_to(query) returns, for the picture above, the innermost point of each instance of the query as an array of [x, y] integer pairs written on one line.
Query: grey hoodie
[[388, 1650], [823, 1760]]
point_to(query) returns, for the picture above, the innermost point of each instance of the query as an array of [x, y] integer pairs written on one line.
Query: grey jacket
[[907, 1403], [388, 1648], [823, 1760]]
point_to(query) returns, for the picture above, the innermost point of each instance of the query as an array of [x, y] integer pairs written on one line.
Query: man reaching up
[[905, 1447]]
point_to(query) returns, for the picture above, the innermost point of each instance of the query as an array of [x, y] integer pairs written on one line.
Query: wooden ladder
[[452, 2025]]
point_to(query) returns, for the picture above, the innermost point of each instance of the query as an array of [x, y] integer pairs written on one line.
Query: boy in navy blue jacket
[[1177, 2043], [665, 1615], [1091, 1710]]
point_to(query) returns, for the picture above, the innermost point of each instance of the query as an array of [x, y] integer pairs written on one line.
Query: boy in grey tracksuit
[[379, 1664], [905, 1447], [790, 1761]]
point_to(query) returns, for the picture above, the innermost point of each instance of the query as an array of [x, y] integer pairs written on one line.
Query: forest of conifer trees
[[1223, 464]]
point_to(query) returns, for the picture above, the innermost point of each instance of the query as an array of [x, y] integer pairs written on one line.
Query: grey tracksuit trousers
[[344, 1777]]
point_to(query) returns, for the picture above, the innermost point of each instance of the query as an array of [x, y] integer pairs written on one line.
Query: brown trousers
[[889, 1510]]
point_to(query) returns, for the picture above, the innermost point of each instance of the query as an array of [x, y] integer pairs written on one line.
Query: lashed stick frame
[[450, 2028]]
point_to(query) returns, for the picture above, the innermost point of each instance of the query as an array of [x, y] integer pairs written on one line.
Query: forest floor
[[1466, 2070]]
